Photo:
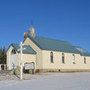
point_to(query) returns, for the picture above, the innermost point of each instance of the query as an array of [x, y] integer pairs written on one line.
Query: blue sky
[[60, 19]]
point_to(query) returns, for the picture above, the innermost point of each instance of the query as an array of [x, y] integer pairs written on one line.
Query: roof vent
[[81, 50]]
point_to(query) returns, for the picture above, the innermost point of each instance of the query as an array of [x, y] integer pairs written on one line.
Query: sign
[[29, 66]]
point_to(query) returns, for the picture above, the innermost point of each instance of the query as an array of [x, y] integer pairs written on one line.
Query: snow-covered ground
[[50, 81]]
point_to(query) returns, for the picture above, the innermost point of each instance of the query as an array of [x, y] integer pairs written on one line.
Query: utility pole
[[21, 62]]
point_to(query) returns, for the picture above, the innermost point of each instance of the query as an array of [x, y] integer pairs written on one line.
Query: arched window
[[73, 58], [63, 58], [51, 57], [85, 60], [13, 51]]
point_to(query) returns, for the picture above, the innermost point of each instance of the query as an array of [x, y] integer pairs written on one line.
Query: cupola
[[32, 32]]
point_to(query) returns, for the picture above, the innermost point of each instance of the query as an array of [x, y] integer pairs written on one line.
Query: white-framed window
[[51, 57], [85, 60], [63, 58], [73, 58]]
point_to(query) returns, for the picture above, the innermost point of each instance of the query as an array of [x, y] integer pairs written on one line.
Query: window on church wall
[[63, 58], [13, 51], [51, 57], [73, 58], [85, 60]]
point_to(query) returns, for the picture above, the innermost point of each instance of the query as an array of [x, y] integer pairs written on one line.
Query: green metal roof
[[57, 45], [27, 50], [54, 45]]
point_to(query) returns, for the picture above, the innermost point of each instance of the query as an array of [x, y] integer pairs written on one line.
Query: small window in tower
[[13, 51], [51, 57]]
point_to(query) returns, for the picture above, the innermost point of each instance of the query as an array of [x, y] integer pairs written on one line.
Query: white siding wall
[[9, 66], [28, 58], [57, 57], [15, 59], [39, 63]]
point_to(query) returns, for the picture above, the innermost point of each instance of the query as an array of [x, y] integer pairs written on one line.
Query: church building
[[46, 54]]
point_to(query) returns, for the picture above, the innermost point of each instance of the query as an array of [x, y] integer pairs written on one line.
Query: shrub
[[17, 71], [37, 71], [30, 71]]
